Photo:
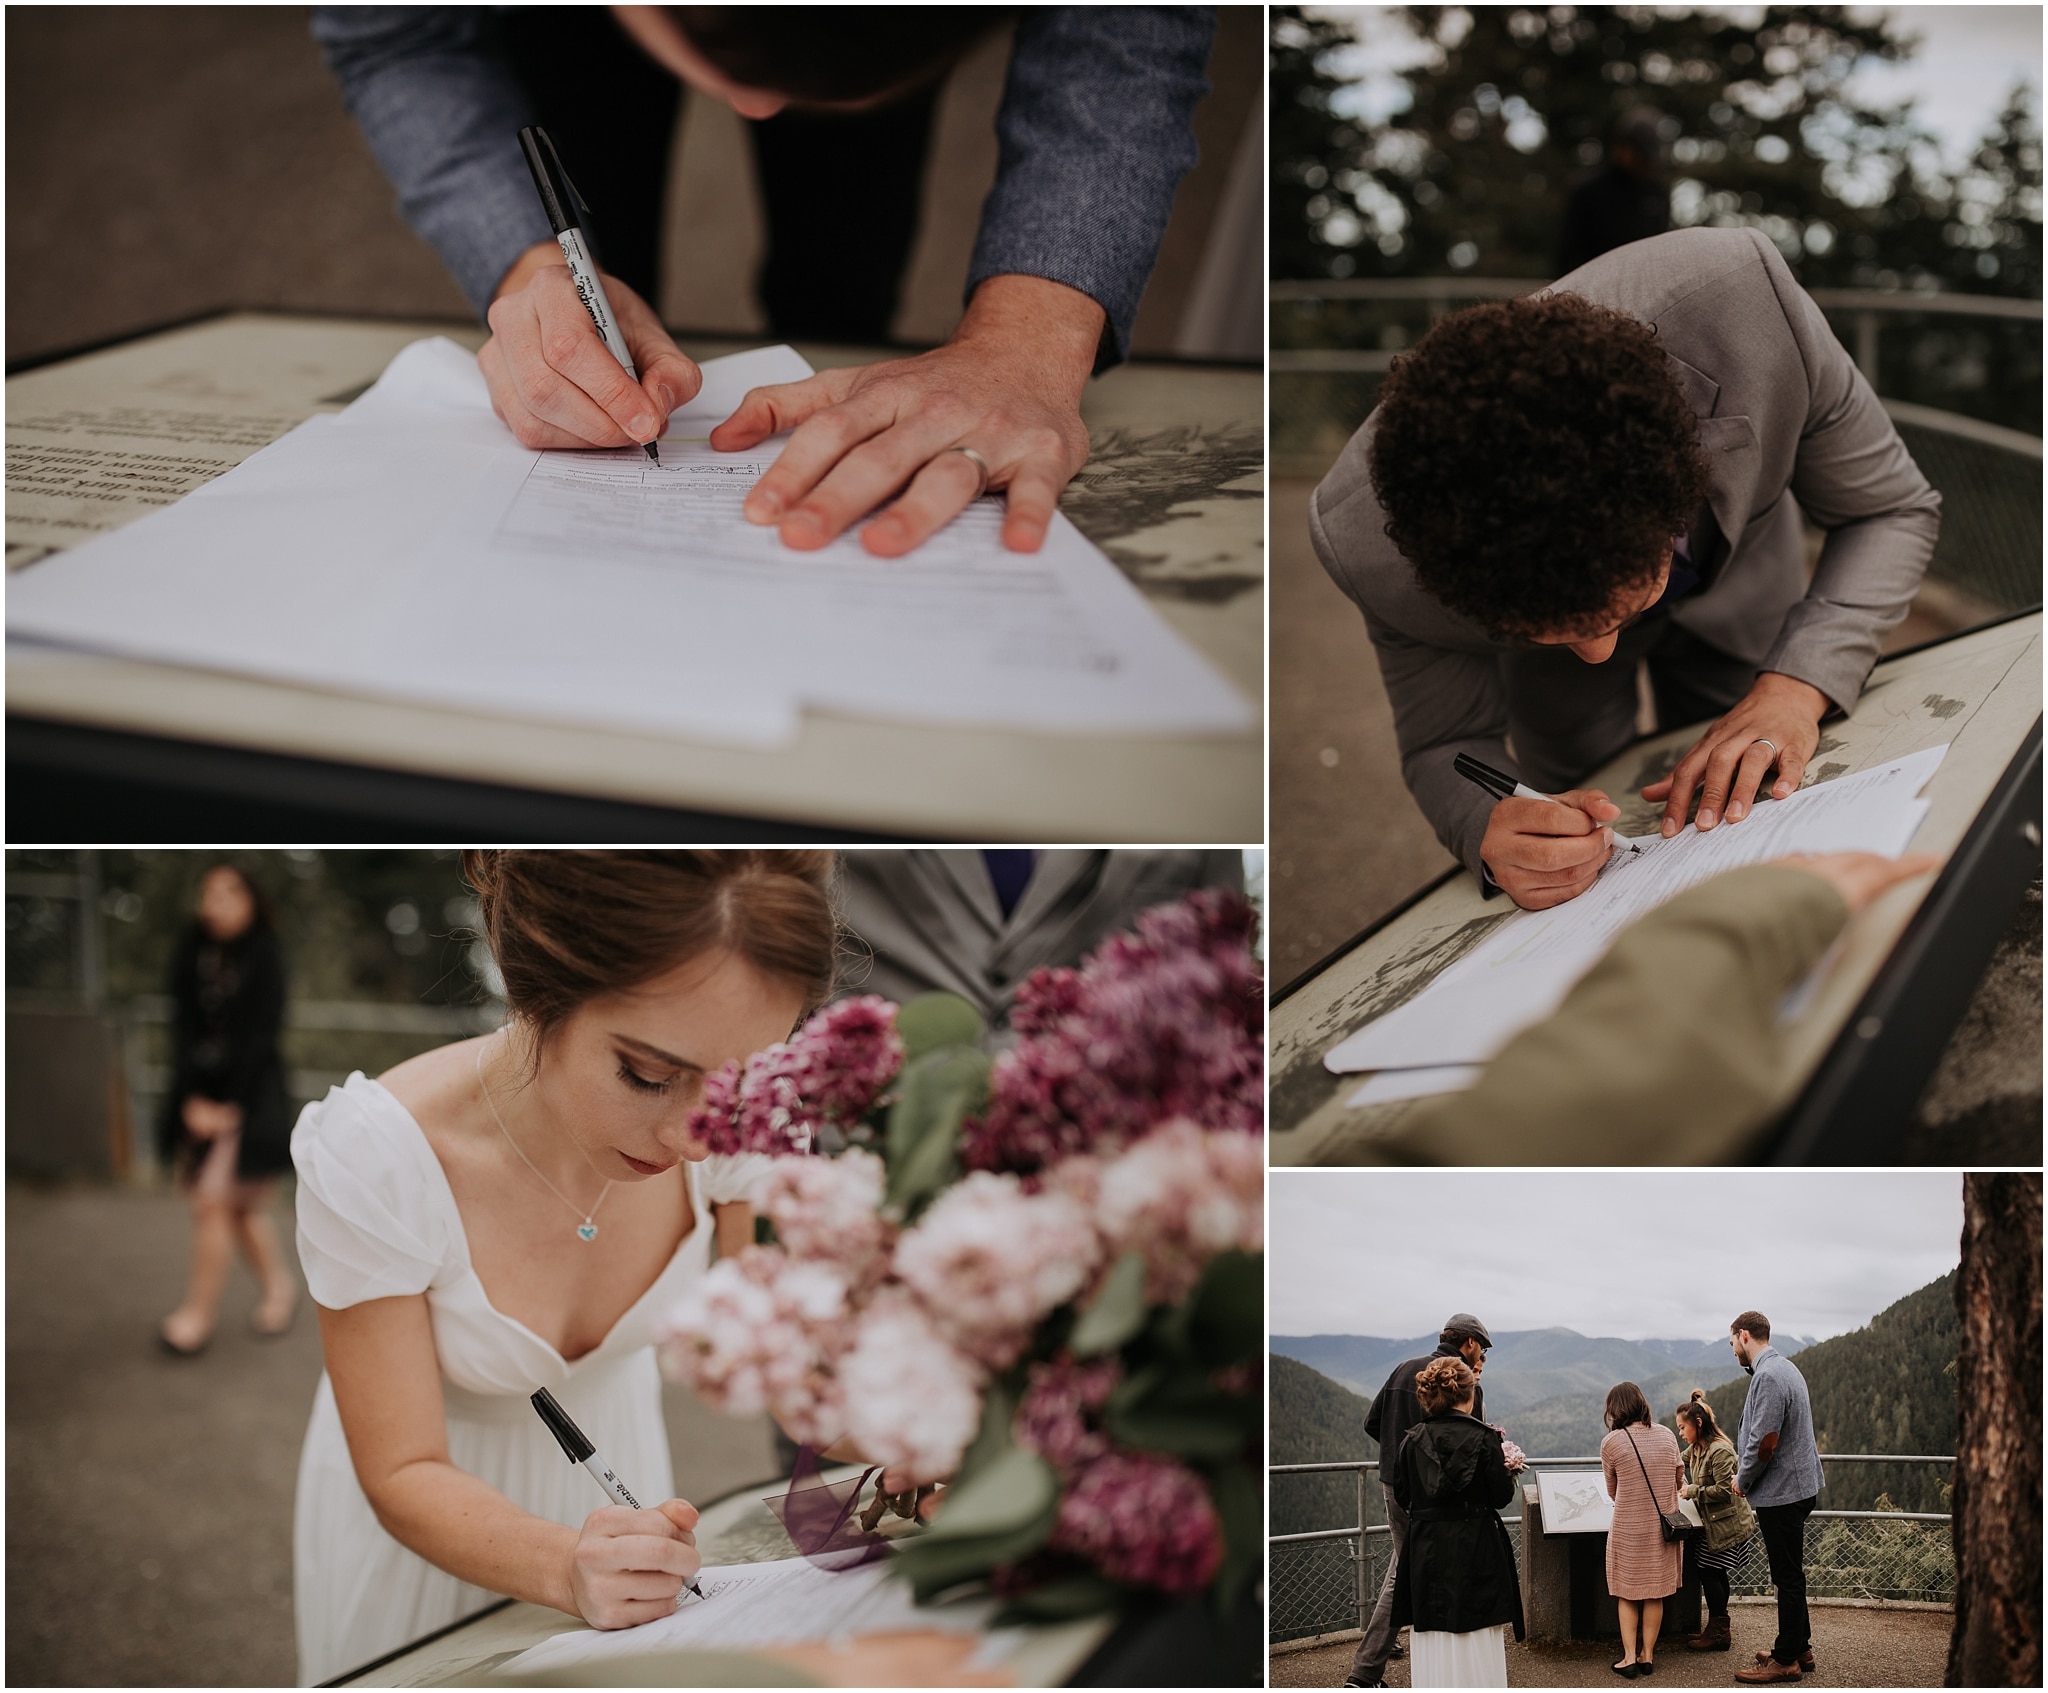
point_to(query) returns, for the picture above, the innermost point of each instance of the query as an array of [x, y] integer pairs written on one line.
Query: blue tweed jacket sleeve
[[1095, 132]]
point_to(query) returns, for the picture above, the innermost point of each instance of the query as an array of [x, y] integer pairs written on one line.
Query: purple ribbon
[[819, 1516]]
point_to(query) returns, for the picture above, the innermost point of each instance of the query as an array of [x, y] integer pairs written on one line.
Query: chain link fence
[[1315, 1586]]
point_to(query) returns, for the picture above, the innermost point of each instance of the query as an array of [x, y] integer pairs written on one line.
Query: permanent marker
[[559, 199], [1503, 786], [577, 1444]]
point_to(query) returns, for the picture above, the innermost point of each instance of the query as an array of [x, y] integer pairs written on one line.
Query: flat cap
[[1463, 1322]]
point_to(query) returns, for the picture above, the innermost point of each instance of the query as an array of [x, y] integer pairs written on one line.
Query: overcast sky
[[1968, 60], [1642, 1255]]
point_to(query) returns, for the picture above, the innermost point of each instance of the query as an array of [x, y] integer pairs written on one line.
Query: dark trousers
[[1784, 1532], [1567, 717], [841, 190], [1714, 1585]]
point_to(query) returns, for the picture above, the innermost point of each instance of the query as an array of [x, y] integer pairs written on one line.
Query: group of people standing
[[1446, 1473]]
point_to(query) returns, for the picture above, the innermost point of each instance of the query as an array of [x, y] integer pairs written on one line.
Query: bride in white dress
[[506, 1214]]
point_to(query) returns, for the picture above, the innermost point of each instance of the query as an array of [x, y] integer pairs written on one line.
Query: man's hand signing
[[1543, 852], [1007, 385], [553, 380], [1728, 763]]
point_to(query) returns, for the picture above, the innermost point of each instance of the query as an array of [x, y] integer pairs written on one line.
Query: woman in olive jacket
[[1724, 1514], [1456, 1586]]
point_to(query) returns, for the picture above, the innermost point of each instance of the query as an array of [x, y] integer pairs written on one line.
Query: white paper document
[[1419, 1083], [747, 1607], [1521, 972], [410, 548]]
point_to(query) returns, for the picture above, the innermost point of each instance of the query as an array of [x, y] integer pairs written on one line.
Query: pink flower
[[829, 1208], [833, 1070], [762, 1332], [912, 1401], [1183, 1197], [1144, 1520], [1056, 1416], [989, 1260], [1165, 1022]]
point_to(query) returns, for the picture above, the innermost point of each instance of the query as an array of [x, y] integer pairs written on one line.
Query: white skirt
[[1478, 1659]]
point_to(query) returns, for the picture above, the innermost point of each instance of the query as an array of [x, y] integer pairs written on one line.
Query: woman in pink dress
[[1640, 1461]]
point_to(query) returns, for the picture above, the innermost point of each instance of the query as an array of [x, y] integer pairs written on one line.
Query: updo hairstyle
[[566, 927], [1443, 1383], [1700, 1414]]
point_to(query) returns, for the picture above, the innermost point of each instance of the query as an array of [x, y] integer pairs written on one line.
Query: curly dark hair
[[1442, 1383], [1534, 457]]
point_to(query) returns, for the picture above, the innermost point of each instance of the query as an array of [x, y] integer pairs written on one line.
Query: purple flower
[[1055, 1418], [1166, 1022], [1143, 1520], [833, 1070]]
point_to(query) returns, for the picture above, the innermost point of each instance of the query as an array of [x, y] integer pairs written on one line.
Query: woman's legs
[[1653, 1619], [257, 1232], [190, 1326], [1630, 1611]]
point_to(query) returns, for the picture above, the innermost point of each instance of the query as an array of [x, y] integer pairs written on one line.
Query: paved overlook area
[[1853, 1645]]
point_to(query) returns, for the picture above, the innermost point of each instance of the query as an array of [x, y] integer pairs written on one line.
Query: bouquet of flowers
[[1517, 1459], [1040, 1277]]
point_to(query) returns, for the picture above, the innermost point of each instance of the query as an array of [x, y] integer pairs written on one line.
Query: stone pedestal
[[1564, 1585]]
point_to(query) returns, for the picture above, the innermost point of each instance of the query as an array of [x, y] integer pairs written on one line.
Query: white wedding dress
[[376, 1219]]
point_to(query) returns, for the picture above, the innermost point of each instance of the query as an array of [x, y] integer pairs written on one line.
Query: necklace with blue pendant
[[585, 1230]]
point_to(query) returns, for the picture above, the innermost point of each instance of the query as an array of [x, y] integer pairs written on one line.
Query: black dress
[[229, 998], [1457, 1573]]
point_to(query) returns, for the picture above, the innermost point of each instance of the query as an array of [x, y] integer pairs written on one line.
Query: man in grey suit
[[1555, 489], [978, 923]]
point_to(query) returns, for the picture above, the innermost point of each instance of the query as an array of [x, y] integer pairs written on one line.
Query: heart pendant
[[586, 1231]]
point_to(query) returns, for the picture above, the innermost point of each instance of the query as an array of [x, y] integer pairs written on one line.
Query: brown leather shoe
[[1805, 1659], [1712, 1638]]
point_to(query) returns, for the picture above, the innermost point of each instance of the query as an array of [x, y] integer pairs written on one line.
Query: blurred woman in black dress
[[227, 1120]]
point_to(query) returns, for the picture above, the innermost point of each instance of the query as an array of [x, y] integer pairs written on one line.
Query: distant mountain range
[[1886, 1387], [1526, 1366]]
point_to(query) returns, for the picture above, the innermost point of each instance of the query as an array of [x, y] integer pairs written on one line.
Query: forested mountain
[[1888, 1387], [1525, 1367]]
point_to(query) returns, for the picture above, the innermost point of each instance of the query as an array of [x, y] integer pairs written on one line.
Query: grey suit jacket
[[932, 920], [1789, 427]]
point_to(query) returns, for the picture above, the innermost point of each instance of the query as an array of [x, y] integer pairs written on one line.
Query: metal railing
[[1326, 1580]]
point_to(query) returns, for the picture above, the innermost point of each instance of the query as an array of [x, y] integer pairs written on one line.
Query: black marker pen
[[577, 1444], [559, 199]]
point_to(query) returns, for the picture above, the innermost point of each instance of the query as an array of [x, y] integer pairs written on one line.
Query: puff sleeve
[[373, 1217]]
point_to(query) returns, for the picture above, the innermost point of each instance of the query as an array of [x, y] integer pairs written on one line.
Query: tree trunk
[[1997, 1500]]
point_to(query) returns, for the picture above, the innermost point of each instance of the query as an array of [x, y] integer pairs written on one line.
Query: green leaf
[[931, 1566], [992, 1438], [1178, 1410], [1242, 1506], [1117, 1311], [1227, 1310], [933, 1093], [1083, 1594], [1008, 1494], [934, 1020]]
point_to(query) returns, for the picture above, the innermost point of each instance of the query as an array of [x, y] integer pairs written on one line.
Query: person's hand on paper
[[1776, 722], [551, 377], [1007, 386], [630, 1565], [928, 1659], [1859, 877], [1543, 852]]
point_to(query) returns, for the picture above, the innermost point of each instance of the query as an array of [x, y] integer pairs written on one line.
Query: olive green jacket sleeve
[[1666, 1052]]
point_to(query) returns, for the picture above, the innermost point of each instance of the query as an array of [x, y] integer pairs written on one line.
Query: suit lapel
[[1733, 453]]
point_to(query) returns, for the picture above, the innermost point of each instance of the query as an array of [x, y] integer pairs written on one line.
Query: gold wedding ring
[[980, 465]]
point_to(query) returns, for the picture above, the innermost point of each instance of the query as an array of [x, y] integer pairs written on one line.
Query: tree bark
[[1997, 1499]]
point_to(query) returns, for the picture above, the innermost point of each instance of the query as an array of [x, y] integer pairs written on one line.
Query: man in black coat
[[1394, 1411]]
